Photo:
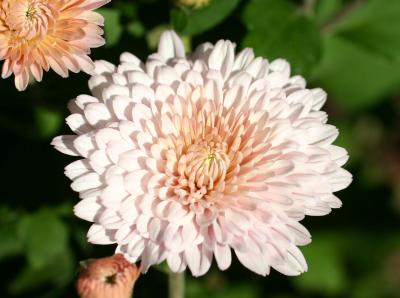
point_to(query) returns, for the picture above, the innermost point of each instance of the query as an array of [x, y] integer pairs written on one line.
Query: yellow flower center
[[29, 19], [30, 13]]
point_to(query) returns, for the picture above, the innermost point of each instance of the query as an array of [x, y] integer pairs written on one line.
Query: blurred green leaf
[[347, 140], [48, 122], [10, 243], [375, 27], [326, 9], [353, 76], [325, 273], [203, 19], [244, 290], [281, 32], [179, 19], [196, 289], [58, 272], [128, 9], [112, 26], [136, 28], [43, 235]]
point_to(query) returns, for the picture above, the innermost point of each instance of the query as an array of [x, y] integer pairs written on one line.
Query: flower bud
[[111, 277]]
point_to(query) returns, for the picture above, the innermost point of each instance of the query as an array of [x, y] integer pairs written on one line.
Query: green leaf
[[325, 273], [10, 243], [112, 26], [326, 9], [58, 272], [43, 236], [195, 289], [136, 28], [281, 32], [128, 9], [353, 76], [48, 122], [203, 19], [179, 19], [375, 26]]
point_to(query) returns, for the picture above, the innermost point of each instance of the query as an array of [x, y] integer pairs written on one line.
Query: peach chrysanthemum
[[111, 277], [37, 35], [186, 157]]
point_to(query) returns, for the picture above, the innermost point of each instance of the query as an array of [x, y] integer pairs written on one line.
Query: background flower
[[188, 157], [37, 35]]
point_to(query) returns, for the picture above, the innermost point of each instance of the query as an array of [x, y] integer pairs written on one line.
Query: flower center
[[29, 19], [30, 13], [202, 168]]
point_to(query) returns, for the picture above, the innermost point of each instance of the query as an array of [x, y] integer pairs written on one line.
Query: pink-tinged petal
[[112, 196], [65, 144], [174, 261], [340, 179], [165, 75], [99, 235], [102, 66], [222, 57], [97, 114], [322, 135], [193, 259], [22, 80], [253, 262], [206, 260], [128, 210], [282, 66], [133, 182], [171, 46], [127, 57], [243, 59], [223, 256], [78, 123], [77, 168], [294, 263], [86, 181], [150, 256], [36, 71], [132, 160], [257, 68], [88, 209], [84, 144], [339, 154]]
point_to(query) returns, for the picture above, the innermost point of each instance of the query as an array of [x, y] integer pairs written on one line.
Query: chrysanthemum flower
[[111, 277], [37, 35], [186, 158]]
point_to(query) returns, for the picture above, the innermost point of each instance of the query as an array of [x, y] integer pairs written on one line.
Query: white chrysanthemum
[[188, 157]]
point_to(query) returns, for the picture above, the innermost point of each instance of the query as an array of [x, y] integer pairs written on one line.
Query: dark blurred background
[[349, 48]]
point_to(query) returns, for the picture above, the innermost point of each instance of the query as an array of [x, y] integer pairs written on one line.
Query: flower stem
[[176, 283], [348, 8], [308, 7]]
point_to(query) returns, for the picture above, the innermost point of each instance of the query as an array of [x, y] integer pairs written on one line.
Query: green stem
[[176, 283], [308, 7]]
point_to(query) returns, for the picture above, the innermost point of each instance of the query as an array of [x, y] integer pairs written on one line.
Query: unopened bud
[[111, 277]]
